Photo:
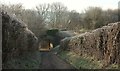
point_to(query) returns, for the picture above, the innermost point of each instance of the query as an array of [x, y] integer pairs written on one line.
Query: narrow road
[[52, 61]]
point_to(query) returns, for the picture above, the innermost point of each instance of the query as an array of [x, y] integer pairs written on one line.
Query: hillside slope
[[102, 45], [20, 45]]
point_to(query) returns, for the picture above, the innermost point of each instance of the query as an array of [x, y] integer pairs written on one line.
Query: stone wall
[[103, 44]]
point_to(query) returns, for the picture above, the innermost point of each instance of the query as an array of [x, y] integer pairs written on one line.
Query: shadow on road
[[52, 61]]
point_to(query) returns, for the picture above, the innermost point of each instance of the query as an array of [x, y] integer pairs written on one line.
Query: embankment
[[102, 44]]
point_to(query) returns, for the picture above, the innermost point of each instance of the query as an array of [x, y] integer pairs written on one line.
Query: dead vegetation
[[18, 42], [102, 44]]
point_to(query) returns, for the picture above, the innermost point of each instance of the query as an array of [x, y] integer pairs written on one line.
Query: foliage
[[28, 61]]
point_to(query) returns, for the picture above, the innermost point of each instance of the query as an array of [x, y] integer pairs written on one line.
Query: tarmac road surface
[[52, 61]]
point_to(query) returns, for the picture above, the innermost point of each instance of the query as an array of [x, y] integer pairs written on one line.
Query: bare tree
[[93, 14]]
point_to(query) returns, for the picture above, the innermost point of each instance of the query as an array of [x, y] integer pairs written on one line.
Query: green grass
[[82, 31], [113, 66], [79, 62], [84, 62]]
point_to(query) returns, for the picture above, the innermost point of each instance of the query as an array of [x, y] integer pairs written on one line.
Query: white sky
[[78, 5]]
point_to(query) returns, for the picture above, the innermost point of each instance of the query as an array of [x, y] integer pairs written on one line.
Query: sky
[[78, 5]]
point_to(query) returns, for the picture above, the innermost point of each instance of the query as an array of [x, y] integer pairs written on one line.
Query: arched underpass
[[50, 60], [20, 48]]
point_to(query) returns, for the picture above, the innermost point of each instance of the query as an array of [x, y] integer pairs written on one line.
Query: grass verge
[[79, 62]]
